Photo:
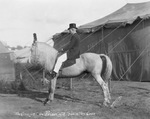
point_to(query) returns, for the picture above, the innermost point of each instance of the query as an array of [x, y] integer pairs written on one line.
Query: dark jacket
[[73, 47]]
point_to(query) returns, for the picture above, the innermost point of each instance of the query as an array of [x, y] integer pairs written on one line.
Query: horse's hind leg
[[104, 88], [108, 83], [107, 75]]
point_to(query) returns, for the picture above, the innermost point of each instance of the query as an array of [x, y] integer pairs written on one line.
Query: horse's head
[[43, 54]]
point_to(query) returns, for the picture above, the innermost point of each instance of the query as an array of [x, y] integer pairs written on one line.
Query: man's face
[[72, 30]]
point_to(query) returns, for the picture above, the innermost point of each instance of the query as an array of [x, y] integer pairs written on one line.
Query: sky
[[19, 19]]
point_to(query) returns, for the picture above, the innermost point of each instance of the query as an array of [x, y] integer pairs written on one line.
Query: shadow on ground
[[41, 96]]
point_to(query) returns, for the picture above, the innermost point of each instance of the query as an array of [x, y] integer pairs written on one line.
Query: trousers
[[59, 62]]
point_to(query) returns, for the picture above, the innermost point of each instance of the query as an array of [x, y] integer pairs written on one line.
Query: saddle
[[68, 63]]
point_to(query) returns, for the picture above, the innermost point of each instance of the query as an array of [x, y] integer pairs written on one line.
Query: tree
[[19, 47], [13, 48]]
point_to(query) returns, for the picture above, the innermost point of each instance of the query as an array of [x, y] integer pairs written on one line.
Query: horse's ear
[[34, 38]]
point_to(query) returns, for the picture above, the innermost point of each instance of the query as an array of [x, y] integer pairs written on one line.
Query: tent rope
[[80, 41], [125, 36], [63, 39], [132, 64], [93, 33], [89, 36], [134, 61], [29, 73], [105, 37], [136, 58]]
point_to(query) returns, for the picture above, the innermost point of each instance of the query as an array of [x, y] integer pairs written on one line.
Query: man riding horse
[[93, 63], [71, 50]]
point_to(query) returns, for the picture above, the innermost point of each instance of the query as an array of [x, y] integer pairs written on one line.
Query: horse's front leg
[[51, 91]]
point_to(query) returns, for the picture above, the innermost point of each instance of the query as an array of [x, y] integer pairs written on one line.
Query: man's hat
[[72, 25]]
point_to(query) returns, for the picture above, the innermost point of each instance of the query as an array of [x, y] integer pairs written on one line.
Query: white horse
[[46, 56]]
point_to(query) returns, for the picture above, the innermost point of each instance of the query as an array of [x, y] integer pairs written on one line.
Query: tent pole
[[105, 51], [70, 88]]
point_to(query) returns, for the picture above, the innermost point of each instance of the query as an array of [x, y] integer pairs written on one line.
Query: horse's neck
[[48, 57]]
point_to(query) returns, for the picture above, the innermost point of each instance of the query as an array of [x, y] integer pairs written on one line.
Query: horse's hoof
[[106, 103], [45, 102]]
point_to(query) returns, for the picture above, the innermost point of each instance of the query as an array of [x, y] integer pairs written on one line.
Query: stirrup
[[53, 74]]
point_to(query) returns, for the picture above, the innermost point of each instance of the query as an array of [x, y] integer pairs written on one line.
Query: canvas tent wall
[[22, 55], [7, 70], [123, 35]]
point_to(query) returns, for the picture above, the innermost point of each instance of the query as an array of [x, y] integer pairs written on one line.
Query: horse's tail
[[107, 69]]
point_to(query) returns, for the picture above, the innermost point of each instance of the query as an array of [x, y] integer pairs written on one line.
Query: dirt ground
[[83, 102]]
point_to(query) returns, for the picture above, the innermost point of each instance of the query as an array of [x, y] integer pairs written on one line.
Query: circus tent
[[124, 36]]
